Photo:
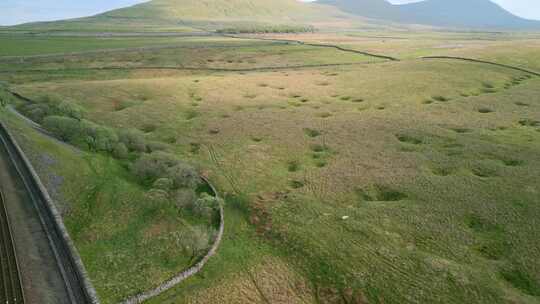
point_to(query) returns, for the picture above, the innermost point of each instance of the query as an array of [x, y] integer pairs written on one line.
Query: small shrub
[[312, 132], [494, 250], [318, 148], [404, 138], [295, 184], [150, 167], [529, 123], [70, 110], [191, 114], [380, 193], [36, 111], [183, 176], [184, 198], [194, 148], [205, 206], [133, 139], [293, 166], [67, 129], [440, 98], [484, 171], [157, 195], [324, 115], [522, 281], [488, 85], [320, 163], [485, 110], [163, 184], [461, 130], [120, 151], [148, 128], [513, 162], [194, 241], [105, 139]]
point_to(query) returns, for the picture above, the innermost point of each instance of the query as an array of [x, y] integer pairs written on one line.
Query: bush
[[99, 138], [150, 167], [184, 176], [133, 139], [195, 241], [69, 109], [205, 206], [120, 151], [105, 139], [36, 111], [67, 129], [184, 198], [163, 184], [157, 195]]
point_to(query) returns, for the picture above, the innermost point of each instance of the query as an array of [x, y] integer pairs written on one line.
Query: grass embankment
[[128, 239]]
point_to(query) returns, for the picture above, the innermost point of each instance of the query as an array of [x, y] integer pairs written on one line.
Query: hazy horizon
[[14, 12]]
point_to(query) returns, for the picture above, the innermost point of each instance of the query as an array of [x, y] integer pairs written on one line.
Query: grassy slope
[[188, 15], [22, 45], [444, 228], [126, 241], [240, 55]]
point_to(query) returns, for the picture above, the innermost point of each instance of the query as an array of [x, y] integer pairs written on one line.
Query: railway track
[[11, 290], [78, 290]]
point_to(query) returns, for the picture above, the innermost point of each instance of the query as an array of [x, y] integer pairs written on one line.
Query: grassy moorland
[[375, 182], [25, 45]]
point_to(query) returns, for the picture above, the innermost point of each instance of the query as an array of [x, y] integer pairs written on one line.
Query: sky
[[20, 11]]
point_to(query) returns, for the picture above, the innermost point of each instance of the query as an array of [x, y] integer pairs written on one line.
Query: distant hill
[[481, 14], [193, 14]]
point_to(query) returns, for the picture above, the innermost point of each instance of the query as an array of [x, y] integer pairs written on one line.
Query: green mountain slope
[[178, 15]]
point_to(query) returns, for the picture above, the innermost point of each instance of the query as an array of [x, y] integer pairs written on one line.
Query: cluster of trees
[[267, 29], [169, 178]]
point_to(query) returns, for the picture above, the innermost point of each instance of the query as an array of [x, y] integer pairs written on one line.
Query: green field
[[347, 178]]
